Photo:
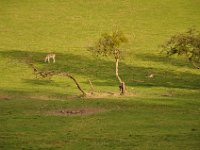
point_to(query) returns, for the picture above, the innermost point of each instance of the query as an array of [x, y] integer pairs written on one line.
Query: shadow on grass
[[104, 70], [40, 82], [36, 94], [165, 60]]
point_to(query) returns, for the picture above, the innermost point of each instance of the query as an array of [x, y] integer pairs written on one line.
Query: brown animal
[[49, 57]]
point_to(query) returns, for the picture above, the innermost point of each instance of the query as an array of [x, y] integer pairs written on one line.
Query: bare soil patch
[[89, 95], [107, 94], [76, 111], [59, 97], [3, 97]]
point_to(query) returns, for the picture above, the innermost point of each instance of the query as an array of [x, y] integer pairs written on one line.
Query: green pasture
[[160, 113]]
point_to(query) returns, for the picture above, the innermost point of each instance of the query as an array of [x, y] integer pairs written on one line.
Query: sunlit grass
[[161, 113]]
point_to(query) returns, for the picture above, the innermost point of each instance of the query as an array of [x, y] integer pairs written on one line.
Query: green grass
[[30, 29], [126, 124]]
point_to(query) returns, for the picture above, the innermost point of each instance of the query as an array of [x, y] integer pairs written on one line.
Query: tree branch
[[45, 74]]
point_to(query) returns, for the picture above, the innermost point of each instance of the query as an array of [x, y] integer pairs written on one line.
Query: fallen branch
[[45, 74], [76, 82]]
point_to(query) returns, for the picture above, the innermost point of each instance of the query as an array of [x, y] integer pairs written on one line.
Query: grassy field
[[163, 113]]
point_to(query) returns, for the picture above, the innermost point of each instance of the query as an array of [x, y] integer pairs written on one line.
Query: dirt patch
[[107, 94], [39, 97], [89, 95], [76, 111], [59, 97], [168, 94], [2, 97]]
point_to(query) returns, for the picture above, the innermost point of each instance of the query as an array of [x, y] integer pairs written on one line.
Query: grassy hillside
[[32, 29], [164, 111], [169, 124]]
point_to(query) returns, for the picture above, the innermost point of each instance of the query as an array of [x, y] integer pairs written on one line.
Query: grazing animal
[[49, 57], [151, 75]]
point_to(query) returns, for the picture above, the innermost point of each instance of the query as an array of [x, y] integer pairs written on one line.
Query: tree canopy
[[109, 44], [185, 44]]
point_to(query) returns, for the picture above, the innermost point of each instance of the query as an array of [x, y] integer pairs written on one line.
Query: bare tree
[[109, 44], [49, 74]]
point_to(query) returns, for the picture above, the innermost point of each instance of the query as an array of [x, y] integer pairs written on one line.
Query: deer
[[50, 56]]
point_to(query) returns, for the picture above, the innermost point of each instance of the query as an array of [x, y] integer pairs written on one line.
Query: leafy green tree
[[109, 45], [185, 44]]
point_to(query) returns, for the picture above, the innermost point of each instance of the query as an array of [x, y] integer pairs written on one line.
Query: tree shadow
[[35, 95], [102, 72], [165, 60], [41, 82]]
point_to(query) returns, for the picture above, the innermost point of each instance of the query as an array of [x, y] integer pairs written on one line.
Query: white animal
[[151, 75], [49, 57]]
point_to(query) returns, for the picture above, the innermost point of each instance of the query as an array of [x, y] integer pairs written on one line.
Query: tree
[[185, 44], [109, 44]]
